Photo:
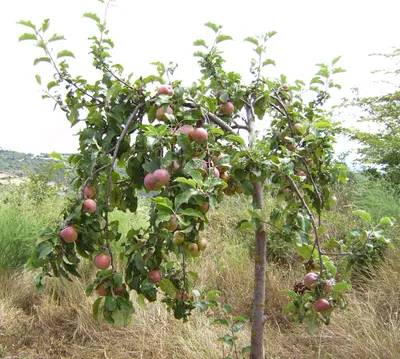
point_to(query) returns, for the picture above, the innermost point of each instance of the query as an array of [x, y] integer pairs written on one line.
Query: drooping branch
[[313, 222], [112, 164]]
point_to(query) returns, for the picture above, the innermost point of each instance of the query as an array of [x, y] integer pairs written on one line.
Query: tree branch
[[313, 222], [121, 138]]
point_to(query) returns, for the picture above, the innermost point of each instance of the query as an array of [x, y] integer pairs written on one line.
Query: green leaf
[[56, 37], [96, 309], [338, 287], [139, 262], [386, 221], [192, 213], [240, 318], [45, 25], [220, 321], [27, 23], [51, 84], [243, 225], [141, 302], [200, 43], [189, 182], [212, 26], [38, 79], [221, 38], [290, 293], [246, 349], [237, 326], [110, 303], [92, 16], [237, 139], [163, 202], [65, 53], [252, 40], [184, 197], [45, 249], [330, 266], [322, 124], [363, 214], [336, 59], [27, 36], [268, 62], [41, 59], [56, 155], [167, 286]]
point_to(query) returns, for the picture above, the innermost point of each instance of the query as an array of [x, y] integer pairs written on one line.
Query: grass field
[[58, 323]]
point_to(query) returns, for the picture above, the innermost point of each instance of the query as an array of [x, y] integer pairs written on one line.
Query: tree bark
[[260, 267]]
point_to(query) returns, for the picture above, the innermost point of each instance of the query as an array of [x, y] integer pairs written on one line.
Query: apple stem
[[112, 164]]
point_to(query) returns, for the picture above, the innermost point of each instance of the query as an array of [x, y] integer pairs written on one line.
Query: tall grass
[[20, 219], [58, 323]]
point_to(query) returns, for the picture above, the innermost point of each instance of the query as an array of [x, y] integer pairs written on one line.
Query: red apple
[[199, 135], [222, 167], [192, 247], [204, 207], [327, 286], [172, 224], [310, 162], [155, 275], [285, 87], [287, 190], [309, 280], [102, 261], [291, 147], [89, 192], [69, 234], [154, 181], [161, 111], [225, 176], [162, 177], [186, 129], [119, 290], [202, 244], [216, 172], [230, 190], [166, 90], [227, 108], [102, 291], [298, 128], [321, 305], [239, 189], [300, 172], [89, 206], [182, 296], [178, 238]]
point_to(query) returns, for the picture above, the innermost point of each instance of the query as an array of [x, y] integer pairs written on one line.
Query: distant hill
[[18, 164]]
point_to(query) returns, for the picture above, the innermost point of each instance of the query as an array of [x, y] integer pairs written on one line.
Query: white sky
[[309, 31]]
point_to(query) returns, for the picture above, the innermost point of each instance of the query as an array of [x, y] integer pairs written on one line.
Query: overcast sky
[[309, 31]]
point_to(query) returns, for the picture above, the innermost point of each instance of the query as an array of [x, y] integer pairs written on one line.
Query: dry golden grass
[[58, 324]]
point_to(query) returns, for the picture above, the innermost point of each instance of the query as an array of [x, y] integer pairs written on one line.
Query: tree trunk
[[257, 329]]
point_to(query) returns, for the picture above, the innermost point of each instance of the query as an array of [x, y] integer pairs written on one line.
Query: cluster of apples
[[69, 234], [162, 110], [311, 280], [179, 237]]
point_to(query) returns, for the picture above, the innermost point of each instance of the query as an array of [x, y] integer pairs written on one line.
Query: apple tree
[[188, 148]]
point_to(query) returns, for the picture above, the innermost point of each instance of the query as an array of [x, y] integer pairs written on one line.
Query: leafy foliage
[[136, 137], [380, 148]]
